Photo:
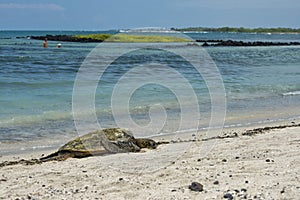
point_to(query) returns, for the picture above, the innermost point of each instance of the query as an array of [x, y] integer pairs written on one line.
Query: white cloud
[[53, 7]]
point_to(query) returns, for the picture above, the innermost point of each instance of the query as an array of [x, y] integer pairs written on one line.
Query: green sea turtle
[[111, 140], [101, 142]]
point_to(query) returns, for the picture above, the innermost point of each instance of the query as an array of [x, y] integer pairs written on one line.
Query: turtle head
[[146, 143]]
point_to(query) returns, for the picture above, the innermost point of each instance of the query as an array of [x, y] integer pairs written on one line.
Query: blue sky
[[116, 14]]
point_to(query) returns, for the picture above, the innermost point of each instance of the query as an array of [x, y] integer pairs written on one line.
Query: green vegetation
[[240, 30], [100, 37], [131, 38]]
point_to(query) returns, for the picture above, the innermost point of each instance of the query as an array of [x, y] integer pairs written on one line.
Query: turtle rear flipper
[[22, 161], [57, 156]]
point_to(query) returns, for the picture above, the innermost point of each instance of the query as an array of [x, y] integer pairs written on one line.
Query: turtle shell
[[111, 140]]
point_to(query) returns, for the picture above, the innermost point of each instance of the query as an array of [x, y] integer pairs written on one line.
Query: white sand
[[265, 166]]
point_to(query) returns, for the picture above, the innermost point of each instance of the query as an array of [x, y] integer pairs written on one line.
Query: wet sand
[[245, 163]]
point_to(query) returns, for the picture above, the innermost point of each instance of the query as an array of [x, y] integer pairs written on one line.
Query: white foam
[[291, 93]]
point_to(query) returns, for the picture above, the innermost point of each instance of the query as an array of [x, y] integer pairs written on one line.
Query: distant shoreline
[[278, 30]]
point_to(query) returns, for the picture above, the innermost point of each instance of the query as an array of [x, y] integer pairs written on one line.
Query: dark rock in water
[[195, 186], [207, 43], [228, 196], [65, 38]]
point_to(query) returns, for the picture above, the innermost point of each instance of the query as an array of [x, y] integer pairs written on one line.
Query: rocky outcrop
[[207, 43], [65, 38]]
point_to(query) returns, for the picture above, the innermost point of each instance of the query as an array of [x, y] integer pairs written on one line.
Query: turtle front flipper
[[120, 146]]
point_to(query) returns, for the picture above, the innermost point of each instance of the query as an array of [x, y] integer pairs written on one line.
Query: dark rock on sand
[[216, 182], [267, 128], [244, 190], [195, 186], [228, 196]]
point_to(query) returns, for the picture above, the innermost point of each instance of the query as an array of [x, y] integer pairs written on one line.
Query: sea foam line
[[291, 93]]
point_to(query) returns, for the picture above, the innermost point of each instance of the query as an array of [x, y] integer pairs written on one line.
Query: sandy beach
[[149, 100], [259, 164]]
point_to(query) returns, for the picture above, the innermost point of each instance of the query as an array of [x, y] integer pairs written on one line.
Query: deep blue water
[[36, 84]]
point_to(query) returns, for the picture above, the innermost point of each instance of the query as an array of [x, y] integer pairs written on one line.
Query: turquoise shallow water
[[36, 84]]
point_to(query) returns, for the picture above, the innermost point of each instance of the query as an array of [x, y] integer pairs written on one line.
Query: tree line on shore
[[240, 30]]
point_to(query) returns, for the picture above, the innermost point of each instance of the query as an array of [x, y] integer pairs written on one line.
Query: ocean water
[[261, 84]]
